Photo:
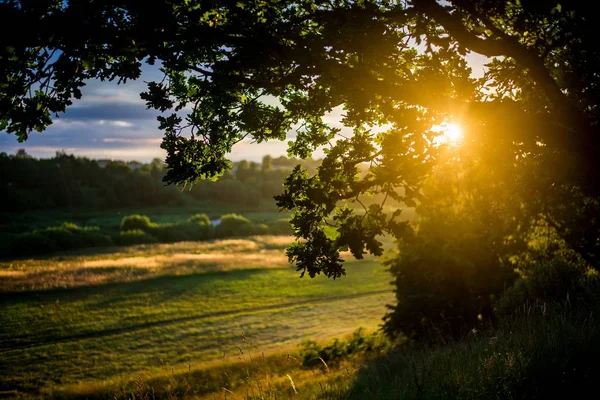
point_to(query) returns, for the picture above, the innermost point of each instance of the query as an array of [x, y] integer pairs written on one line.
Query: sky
[[111, 122]]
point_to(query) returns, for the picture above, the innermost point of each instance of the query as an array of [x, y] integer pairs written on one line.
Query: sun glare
[[450, 133], [453, 133]]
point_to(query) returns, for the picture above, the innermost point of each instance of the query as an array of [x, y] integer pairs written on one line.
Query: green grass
[[219, 319], [546, 352], [54, 339]]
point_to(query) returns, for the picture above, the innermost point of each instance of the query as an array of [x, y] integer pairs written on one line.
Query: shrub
[[442, 291], [259, 229], [196, 231], [314, 354], [201, 219], [360, 343], [67, 236], [170, 233], [95, 238], [132, 237], [233, 225], [280, 227], [63, 238], [551, 281], [136, 221], [31, 243]]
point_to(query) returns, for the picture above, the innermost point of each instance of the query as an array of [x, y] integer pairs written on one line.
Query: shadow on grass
[[159, 289], [169, 285]]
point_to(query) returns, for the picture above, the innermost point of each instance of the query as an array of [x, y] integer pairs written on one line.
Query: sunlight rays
[[451, 133]]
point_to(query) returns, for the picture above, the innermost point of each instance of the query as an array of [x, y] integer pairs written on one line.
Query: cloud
[[143, 154], [132, 141], [121, 124], [120, 111], [111, 121]]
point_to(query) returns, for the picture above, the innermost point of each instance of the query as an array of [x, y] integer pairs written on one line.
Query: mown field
[[82, 323]]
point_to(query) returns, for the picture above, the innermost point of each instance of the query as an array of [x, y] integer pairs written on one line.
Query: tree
[[460, 257], [260, 68], [267, 163]]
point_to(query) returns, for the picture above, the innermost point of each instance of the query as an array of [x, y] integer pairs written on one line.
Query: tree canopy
[[236, 69]]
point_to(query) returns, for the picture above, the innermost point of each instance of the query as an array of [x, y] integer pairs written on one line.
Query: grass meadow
[[83, 324], [230, 319]]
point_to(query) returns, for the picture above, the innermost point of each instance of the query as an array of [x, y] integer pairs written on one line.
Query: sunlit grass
[[188, 314], [118, 264]]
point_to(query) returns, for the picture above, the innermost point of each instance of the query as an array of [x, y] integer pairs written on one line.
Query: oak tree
[[258, 69]]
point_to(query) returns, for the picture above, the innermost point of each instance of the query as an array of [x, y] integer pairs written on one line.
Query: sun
[[450, 133], [453, 133]]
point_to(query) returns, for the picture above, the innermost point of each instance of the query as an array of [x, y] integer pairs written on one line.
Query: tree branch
[[574, 120]]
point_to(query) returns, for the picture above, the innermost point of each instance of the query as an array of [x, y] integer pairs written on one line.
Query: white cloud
[[125, 154], [156, 141], [120, 124]]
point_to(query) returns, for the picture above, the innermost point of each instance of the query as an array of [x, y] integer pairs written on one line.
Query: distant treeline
[[137, 229], [67, 181]]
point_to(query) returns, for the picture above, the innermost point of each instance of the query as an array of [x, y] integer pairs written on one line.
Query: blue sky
[[112, 122]]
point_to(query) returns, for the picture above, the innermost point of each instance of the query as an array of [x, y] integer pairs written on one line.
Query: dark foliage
[[136, 222], [359, 343], [68, 236], [131, 237], [66, 181]]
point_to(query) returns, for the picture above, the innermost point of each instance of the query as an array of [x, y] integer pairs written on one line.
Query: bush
[[63, 238], [196, 231], [31, 243], [95, 238], [201, 219], [360, 343], [280, 227], [67, 236], [259, 229], [551, 281], [136, 221], [132, 237], [233, 225], [443, 291], [169, 233], [238, 225]]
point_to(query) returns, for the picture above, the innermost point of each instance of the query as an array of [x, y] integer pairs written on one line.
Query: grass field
[[77, 321]]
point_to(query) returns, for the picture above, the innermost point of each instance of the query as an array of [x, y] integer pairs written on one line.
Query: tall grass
[[544, 352]]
